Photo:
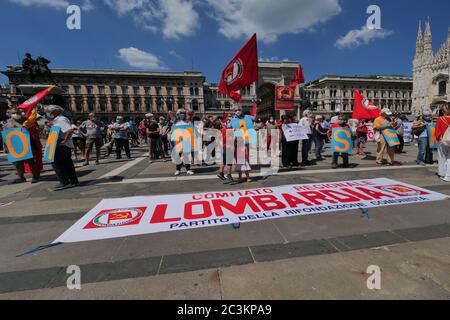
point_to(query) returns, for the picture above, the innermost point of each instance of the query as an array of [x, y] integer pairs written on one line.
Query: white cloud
[[270, 19], [87, 5], [175, 18], [140, 59], [173, 53], [57, 4], [359, 37]]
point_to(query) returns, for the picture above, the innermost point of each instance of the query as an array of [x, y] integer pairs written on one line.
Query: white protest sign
[[294, 132], [407, 132], [370, 132], [113, 218]]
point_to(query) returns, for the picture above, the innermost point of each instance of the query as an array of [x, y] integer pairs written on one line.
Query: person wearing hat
[[425, 154], [335, 118], [184, 158], [384, 121], [341, 123]]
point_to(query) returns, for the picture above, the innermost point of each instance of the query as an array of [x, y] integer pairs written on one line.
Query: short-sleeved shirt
[[65, 126], [121, 134], [93, 128], [153, 127]]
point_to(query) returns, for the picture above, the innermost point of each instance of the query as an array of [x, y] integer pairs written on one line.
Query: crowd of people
[[83, 136]]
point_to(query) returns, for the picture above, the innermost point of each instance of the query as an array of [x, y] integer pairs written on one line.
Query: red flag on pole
[[29, 105], [364, 109], [241, 71], [299, 78], [254, 109]]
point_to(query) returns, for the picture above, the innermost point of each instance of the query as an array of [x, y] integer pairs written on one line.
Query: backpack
[[446, 138]]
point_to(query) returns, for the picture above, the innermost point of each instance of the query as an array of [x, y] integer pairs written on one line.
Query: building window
[[114, 106], [158, 91], [191, 91], [113, 90], [442, 88], [77, 90], [196, 92], [136, 90], [101, 90], [102, 106], [180, 91], [89, 89], [137, 106], [169, 91], [148, 107], [124, 90], [147, 91]]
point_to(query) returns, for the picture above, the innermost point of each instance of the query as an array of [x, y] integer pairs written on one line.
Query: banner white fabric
[[294, 132], [113, 218]]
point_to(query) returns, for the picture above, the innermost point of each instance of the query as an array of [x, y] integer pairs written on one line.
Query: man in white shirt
[[335, 119], [306, 123], [63, 164]]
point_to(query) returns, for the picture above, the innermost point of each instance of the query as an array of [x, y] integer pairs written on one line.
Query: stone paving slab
[[409, 271]]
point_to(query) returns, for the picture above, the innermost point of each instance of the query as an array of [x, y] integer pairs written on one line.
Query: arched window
[[195, 105], [191, 91], [442, 88]]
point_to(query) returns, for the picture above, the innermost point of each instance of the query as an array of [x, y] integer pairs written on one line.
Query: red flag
[[364, 109], [299, 78], [31, 103], [225, 117], [241, 71], [254, 110]]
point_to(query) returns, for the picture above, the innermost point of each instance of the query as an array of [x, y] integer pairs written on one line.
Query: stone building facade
[[329, 93], [430, 72], [129, 93]]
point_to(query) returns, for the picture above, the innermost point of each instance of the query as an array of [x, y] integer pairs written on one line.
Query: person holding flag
[[17, 120], [30, 123]]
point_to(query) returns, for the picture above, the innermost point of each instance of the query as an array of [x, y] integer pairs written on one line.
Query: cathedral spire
[[428, 45], [419, 42]]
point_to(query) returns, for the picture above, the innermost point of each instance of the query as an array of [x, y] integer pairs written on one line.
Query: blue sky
[[176, 35]]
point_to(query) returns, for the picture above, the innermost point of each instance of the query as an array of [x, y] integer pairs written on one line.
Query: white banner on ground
[[113, 218], [407, 132], [294, 132]]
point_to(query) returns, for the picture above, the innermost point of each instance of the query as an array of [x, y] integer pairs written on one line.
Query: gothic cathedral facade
[[431, 87]]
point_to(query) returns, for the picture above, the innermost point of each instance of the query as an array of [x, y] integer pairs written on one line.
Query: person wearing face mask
[[153, 137], [16, 121], [341, 123], [384, 121], [270, 125], [425, 154], [184, 157], [121, 131], [92, 130], [63, 164], [164, 130], [306, 123]]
